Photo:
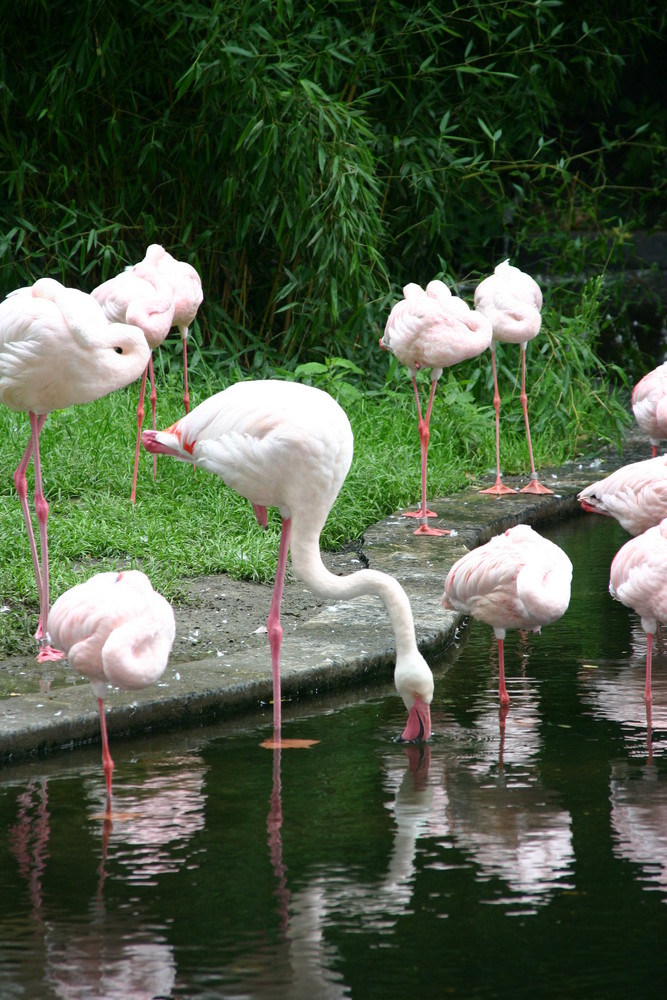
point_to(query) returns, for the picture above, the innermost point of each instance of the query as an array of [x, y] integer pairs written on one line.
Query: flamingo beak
[[418, 728]]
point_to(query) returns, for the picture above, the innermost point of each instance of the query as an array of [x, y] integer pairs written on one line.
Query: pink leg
[[186, 393], [502, 690], [107, 762], [153, 399], [273, 625], [140, 419], [648, 697], [424, 434], [21, 485], [498, 489], [534, 486], [46, 651]]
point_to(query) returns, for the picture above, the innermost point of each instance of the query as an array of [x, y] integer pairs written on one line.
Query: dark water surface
[[534, 866]]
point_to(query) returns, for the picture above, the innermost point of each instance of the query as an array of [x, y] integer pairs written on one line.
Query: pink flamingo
[[649, 405], [188, 296], [155, 294], [289, 445], [57, 349], [512, 300], [635, 495], [638, 579], [517, 580], [432, 329], [115, 629]]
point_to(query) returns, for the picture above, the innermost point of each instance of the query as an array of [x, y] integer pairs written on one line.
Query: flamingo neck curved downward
[[308, 566]]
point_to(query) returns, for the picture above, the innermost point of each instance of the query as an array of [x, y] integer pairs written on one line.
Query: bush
[[309, 159]]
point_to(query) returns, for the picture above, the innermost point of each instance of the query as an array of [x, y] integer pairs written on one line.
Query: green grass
[[186, 524]]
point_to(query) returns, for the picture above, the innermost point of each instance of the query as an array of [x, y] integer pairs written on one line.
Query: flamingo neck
[[308, 566]]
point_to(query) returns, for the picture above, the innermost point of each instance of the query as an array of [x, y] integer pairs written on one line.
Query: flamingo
[[512, 300], [517, 580], [649, 405], [432, 329], [57, 349], [635, 495], [115, 629], [157, 293], [290, 445], [188, 296], [638, 579]]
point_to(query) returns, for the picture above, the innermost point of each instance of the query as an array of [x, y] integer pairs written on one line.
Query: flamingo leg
[[498, 489], [153, 399], [424, 434], [273, 625], [534, 486], [21, 486], [46, 651], [140, 419], [502, 689], [186, 393], [107, 762], [648, 697]]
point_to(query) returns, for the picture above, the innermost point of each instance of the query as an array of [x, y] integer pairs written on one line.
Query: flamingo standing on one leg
[[512, 300], [517, 580], [289, 445], [188, 296], [649, 405], [638, 579], [115, 629], [57, 349], [635, 495], [157, 293], [432, 329]]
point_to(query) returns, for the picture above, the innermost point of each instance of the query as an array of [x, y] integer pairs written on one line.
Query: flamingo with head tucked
[[638, 579], [432, 329], [289, 445], [117, 630], [512, 301], [649, 405], [517, 580], [58, 349]]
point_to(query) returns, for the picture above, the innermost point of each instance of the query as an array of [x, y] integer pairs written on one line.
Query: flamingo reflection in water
[[306, 966], [639, 821], [500, 814], [103, 955], [615, 690]]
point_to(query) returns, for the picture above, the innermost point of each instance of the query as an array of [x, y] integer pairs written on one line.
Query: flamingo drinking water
[[289, 445]]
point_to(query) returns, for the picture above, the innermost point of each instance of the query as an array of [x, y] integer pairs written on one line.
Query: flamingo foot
[[47, 654], [498, 489], [535, 486], [290, 744], [425, 529], [419, 513]]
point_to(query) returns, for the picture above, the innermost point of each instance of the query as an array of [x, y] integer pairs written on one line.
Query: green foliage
[[309, 158]]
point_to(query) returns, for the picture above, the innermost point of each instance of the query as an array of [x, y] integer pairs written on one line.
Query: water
[[479, 866]]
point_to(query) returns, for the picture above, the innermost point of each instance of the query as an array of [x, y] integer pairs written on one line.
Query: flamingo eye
[[118, 350]]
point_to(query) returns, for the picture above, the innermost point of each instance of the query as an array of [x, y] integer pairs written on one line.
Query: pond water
[[533, 864]]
